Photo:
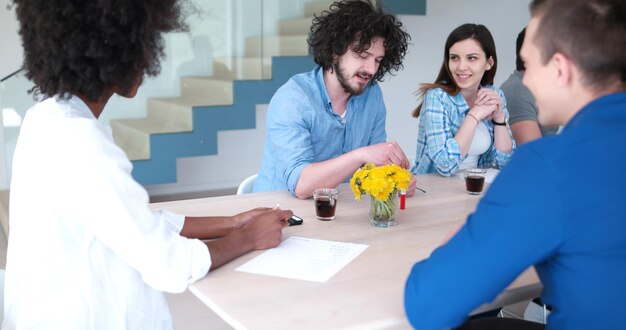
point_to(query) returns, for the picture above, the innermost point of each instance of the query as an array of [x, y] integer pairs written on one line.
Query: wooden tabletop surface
[[368, 292]]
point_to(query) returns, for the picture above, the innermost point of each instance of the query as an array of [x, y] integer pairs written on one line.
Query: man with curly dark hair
[[105, 258], [324, 124]]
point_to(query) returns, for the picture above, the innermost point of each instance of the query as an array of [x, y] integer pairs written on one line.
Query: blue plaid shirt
[[441, 117], [303, 129]]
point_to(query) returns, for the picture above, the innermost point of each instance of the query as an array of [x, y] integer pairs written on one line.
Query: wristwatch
[[500, 124]]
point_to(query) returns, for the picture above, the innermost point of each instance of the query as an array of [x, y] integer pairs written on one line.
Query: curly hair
[[336, 29], [86, 47]]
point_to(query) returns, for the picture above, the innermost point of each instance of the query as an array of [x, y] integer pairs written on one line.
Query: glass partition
[[227, 40], [14, 101], [212, 48]]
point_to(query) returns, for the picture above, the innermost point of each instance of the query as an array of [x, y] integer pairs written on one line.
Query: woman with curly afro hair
[[324, 124], [106, 258]]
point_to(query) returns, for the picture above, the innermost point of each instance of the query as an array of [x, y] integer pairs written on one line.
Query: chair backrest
[[245, 187]]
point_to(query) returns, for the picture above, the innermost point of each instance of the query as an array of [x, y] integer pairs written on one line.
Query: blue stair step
[[208, 120]]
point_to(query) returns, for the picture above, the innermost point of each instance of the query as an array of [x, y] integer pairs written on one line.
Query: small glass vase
[[384, 213]]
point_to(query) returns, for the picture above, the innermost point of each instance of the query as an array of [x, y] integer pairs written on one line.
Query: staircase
[[187, 125]]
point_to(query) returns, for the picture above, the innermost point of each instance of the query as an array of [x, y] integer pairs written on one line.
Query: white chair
[[245, 187]]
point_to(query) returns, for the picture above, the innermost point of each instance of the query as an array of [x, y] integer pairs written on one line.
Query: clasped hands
[[488, 105]]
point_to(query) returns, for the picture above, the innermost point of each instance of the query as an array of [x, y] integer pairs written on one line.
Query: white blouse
[[85, 251], [480, 144]]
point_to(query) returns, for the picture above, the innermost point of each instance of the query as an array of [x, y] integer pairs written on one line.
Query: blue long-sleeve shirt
[[559, 205], [303, 129]]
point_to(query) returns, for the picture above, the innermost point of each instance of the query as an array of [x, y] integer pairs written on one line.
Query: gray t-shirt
[[521, 103]]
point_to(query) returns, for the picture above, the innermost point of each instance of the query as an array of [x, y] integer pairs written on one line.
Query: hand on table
[[265, 230], [243, 218]]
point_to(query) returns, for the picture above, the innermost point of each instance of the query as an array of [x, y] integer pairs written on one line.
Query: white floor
[[187, 311]]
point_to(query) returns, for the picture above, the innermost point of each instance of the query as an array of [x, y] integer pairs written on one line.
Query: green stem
[[385, 210]]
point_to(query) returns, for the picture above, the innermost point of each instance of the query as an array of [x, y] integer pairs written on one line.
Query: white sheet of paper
[[304, 259]]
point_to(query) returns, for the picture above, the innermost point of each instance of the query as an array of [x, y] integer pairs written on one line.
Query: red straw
[[402, 199]]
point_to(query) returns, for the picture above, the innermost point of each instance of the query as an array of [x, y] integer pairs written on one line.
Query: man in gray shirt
[[521, 103]]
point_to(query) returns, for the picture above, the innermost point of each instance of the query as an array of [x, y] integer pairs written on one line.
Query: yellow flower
[[357, 180], [380, 182], [356, 187]]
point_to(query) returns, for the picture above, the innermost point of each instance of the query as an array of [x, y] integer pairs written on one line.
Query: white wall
[[240, 151]]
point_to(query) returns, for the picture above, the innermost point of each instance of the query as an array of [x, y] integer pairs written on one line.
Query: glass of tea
[[475, 180], [325, 203]]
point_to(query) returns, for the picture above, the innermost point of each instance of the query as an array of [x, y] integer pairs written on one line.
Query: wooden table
[[368, 292]]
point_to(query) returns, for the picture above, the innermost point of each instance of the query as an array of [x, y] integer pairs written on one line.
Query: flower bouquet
[[383, 184]]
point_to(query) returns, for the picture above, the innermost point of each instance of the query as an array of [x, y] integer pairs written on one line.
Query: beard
[[343, 79]]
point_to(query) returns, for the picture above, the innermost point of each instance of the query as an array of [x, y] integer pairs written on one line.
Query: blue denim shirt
[[441, 118], [301, 128]]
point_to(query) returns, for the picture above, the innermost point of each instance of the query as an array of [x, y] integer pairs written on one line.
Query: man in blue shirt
[[324, 124], [559, 203]]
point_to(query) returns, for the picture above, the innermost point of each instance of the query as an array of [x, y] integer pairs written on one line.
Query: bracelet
[[497, 123], [477, 121]]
